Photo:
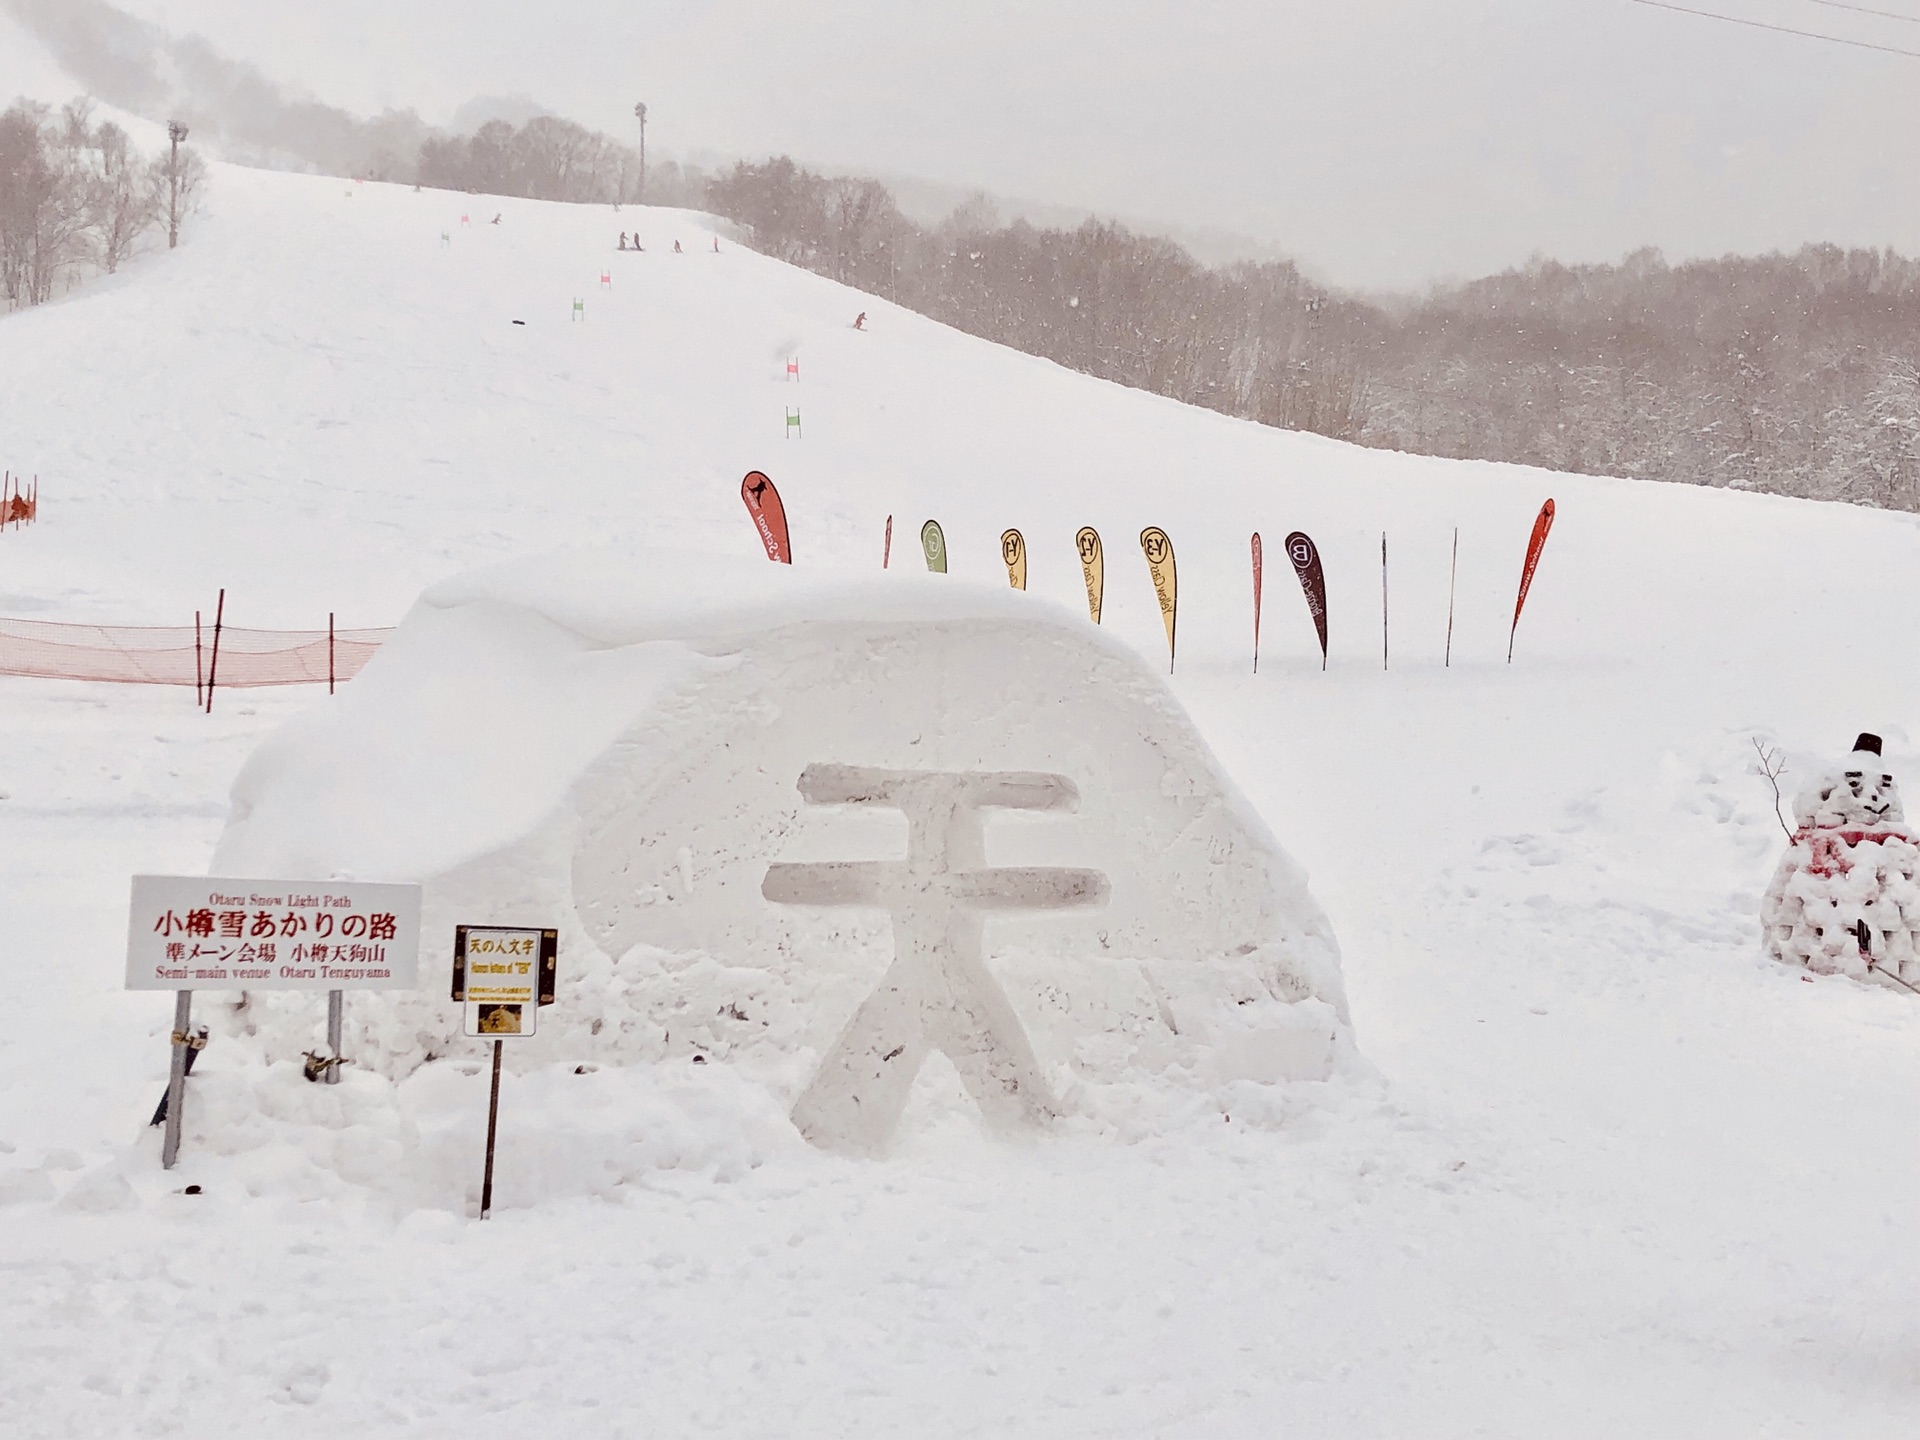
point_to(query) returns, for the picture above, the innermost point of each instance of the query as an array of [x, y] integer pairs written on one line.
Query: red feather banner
[[769, 516], [1256, 602], [1534, 546]]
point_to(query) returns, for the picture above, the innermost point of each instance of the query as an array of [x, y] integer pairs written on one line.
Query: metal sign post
[[493, 1130], [177, 1077], [336, 1015], [502, 975]]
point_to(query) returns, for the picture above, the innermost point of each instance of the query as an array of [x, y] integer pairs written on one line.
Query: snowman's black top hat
[[1868, 743]]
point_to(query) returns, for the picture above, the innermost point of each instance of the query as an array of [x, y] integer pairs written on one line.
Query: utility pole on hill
[[177, 133], [640, 114]]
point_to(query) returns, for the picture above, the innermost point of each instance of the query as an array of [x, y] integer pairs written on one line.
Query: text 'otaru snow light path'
[[1584, 1163]]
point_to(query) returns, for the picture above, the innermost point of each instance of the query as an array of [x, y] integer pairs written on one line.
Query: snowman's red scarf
[[1827, 848]]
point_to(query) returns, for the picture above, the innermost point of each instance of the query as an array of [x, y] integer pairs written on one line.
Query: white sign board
[[206, 933], [503, 975]]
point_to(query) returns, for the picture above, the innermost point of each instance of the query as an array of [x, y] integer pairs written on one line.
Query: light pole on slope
[[640, 114]]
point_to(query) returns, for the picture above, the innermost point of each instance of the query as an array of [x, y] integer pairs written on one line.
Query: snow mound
[[815, 831]]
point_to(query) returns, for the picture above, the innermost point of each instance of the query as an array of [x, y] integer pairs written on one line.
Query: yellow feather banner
[[1166, 580], [1013, 550], [1093, 566]]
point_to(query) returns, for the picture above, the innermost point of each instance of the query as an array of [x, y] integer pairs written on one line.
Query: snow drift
[[706, 772]]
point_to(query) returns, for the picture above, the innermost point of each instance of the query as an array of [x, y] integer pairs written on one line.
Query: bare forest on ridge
[[1791, 374]]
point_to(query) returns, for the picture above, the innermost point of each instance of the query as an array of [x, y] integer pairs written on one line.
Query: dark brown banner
[[1313, 584]]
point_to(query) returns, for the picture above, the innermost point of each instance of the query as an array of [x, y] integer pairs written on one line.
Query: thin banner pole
[[1453, 574], [493, 1123], [177, 1077], [330, 652], [199, 671], [213, 665], [336, 1015], [1383, 599]]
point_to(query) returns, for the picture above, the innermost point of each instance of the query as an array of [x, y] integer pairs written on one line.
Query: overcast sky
[[1383, 142]]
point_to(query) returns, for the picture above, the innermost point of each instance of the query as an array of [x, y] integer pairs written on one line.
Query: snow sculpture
[[937, 993], [814, 835], [1845, 898]]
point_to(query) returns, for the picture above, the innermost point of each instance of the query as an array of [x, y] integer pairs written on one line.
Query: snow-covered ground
[[1611, 1173]]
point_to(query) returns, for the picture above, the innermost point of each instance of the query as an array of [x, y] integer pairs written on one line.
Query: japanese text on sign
[[193, 933], [503, 975]]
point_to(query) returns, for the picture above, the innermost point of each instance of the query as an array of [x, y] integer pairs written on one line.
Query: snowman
[[1845, 899]]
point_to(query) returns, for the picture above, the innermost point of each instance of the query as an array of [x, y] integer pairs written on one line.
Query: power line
[[1781, 29], [1864, 10]]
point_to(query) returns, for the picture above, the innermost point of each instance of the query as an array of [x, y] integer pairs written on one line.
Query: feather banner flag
[[1313, 584], [886, 546], [1013, 550], [934, 544], [769, 516], [1256, 602], [1093, 568], [1541, 525], [1158, 549]]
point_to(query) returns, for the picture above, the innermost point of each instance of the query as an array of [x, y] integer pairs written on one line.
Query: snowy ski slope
[[1615, 1175]]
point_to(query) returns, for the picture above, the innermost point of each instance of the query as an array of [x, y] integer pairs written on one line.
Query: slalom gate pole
[[213, 665], [330, 664], [336, 1016], [199, 675], [1383, 599], [886, 546], [493, 1125], [177, 1077], [1453, 574]]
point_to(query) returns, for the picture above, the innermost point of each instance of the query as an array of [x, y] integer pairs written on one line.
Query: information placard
[[207, 933], [504, 974]]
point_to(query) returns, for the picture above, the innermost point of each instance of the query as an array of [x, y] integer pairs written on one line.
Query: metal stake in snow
[[938, 994], [1383, 599], [1453, 574]]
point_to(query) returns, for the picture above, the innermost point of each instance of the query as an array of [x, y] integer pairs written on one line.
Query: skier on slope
[[860, 321], [623, 239]]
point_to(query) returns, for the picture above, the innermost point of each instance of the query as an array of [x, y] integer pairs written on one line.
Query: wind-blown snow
[[1617, 1173]]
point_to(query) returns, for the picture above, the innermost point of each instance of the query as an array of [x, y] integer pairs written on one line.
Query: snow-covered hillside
[[1616, 1174]]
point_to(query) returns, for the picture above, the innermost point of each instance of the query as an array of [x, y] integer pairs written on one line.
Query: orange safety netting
[[165, 654]]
